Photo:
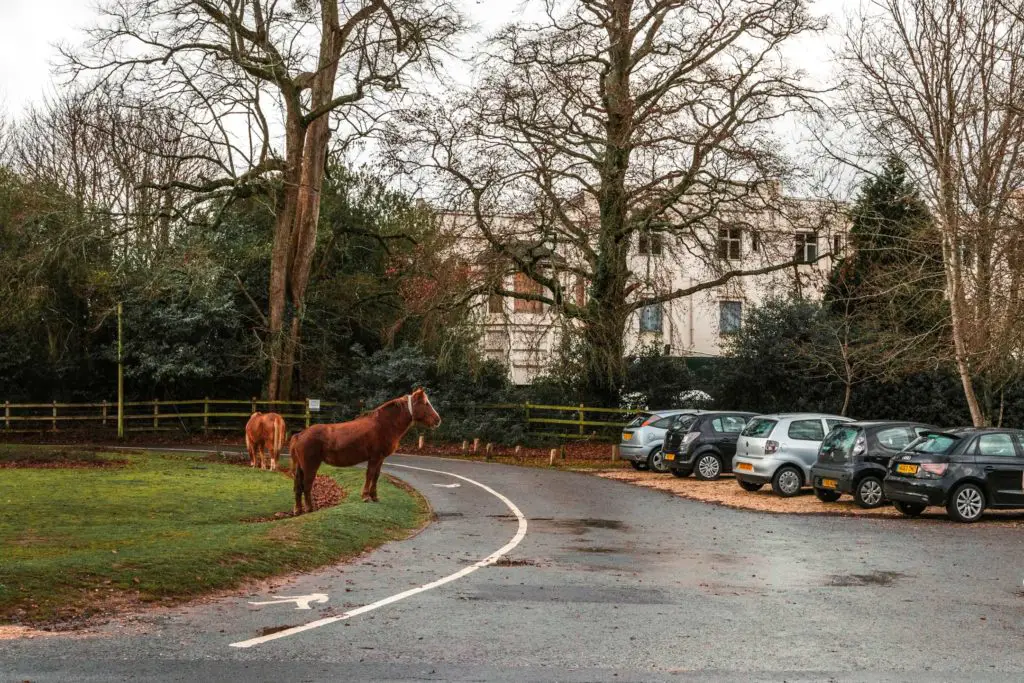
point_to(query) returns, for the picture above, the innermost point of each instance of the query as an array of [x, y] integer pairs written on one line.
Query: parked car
[[854, 459], [643, 437], [966, 470], [704, 444], [781, 449]]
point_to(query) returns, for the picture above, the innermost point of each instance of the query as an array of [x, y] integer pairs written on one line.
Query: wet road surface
[[609, 583]]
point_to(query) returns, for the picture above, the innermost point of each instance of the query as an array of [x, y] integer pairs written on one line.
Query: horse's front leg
[[373, 484]]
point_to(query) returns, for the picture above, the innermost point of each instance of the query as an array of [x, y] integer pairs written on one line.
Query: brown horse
[[264, 436], [369, 438]]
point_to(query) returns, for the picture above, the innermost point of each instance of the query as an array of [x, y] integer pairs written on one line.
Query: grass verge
[[79, 543]]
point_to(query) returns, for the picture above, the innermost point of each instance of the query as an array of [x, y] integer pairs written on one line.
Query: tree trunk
[[603, 355], [958, 321]]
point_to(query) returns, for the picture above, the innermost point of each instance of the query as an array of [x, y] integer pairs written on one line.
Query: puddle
[[877, 578], [274, 629], [598, 549], [509, 562]]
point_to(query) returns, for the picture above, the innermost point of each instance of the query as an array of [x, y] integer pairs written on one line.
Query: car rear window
[[806, 430], [683, 422], [663, 423], [728, 424], [759, 427], [938, 444], [638, 420], [840, 441], [895, 438]]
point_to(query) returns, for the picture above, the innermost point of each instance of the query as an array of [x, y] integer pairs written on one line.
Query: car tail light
[[771, 447], [932, 469]]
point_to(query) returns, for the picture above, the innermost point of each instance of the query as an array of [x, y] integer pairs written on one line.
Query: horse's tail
[[278, 433], [296, 457]]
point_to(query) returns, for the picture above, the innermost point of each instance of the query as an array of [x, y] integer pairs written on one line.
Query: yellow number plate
[[626, 436], [745, 467], [829, 483], [906, 469], [670, 456]]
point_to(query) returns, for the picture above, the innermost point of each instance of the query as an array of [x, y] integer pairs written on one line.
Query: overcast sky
[[29, 29]]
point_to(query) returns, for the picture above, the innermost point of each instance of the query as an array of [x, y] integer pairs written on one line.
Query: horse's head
[[421, 409]]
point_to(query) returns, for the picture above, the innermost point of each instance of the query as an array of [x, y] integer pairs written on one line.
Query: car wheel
[[966, 504], [656, 461], [909, 509], [827, 496], [787, 481], [639, 466], [868, 493], [708, 467], [749, 485], [682, 474]]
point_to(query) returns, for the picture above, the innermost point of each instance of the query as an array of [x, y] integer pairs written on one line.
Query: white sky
[[29, 30]]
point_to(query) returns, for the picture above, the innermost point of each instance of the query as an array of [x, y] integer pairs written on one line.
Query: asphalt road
[[609, 583]]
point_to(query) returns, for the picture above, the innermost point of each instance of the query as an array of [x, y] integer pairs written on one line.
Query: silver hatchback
[[781, 449]]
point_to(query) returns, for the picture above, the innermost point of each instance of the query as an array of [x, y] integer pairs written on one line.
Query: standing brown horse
[[264, 435], [369, 438]]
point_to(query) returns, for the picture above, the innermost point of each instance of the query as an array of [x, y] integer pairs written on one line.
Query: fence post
[[206, 415], [307, 413], [615, 452], [54, 416], [252, 406], [581, 419], [156, 413], [7, 414], [104, 413]]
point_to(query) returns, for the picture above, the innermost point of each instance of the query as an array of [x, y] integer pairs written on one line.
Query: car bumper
[[841, 476], [906, 490], [679, 461], [635, 452], [755, 470]]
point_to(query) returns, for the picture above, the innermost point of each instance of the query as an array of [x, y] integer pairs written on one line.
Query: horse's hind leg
[[309, 476]]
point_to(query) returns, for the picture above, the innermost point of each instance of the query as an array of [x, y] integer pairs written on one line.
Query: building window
[[729, 243], [580, 292], [730, 316], [524, 284], [495, 303], [649, 243], [755, 242], [837, 245], [806, 247], [650, 318]]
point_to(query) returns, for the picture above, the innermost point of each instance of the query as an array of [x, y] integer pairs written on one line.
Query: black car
[[704, 444], [966, 470], [854, 459]]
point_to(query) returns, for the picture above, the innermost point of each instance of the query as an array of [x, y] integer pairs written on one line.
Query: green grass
[[168, 527]]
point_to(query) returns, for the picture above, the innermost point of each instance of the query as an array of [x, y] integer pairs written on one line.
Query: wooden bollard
[[419, 444], [551, 456], [465, 445], [519, 449], [476, 445], [615, 452], [489, 450]]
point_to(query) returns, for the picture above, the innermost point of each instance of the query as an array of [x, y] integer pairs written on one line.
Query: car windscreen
[[683, 422], [931, 442], [759, 427], [638, 420]]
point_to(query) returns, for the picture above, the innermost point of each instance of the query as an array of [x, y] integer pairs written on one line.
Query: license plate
[[745, 467], [670, 456], [906, 469], [829, 484], [626, 436]]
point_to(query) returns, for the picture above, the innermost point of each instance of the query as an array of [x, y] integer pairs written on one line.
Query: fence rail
[[224, 414]]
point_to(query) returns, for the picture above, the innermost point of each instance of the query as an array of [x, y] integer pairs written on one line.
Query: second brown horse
[[264, 436], [369, 438]]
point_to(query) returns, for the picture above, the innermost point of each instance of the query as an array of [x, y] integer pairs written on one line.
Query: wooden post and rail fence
[[208, 414]]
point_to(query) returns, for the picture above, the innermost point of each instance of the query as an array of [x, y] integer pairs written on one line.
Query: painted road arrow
[[301, 601]]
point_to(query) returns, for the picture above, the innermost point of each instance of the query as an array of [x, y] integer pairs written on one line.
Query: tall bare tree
[[942, 85], [225, 62], [612, 119]]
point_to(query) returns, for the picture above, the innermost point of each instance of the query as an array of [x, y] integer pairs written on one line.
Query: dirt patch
[[19, 632], [726, 492], [509, 562], [59, 458], [326, 493]]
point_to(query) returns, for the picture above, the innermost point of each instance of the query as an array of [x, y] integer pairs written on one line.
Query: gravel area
[[726, 492]]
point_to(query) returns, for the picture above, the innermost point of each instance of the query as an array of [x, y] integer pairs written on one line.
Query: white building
[[525, 334]]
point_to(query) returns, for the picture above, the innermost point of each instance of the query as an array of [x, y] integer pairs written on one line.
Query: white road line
[[489, 560]]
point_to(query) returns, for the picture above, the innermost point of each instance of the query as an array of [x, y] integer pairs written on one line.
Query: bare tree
[[225, 62], [613, 121], [942, 85]]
